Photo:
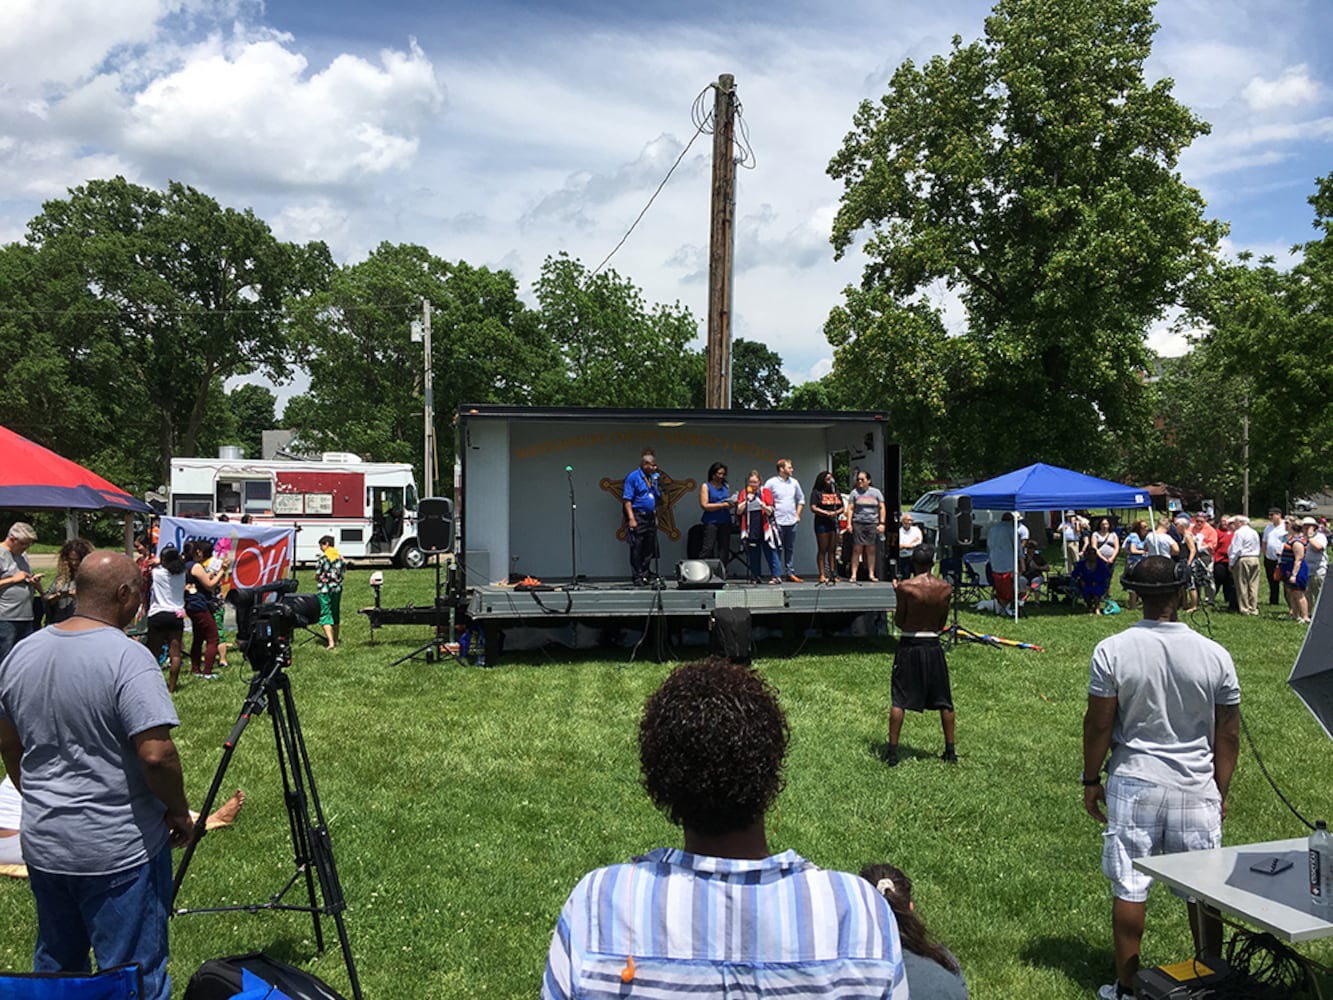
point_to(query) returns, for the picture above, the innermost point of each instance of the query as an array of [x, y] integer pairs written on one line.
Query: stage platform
[[594, 612]]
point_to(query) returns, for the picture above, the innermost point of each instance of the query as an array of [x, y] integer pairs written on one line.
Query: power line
[[702, 123]]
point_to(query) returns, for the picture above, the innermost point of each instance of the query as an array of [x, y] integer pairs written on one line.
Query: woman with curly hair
[[826, 503], [60, 596], [932, 969], [712, 743]]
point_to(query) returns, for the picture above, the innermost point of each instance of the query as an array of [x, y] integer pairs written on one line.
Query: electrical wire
[[1207, 628], [699, 129]]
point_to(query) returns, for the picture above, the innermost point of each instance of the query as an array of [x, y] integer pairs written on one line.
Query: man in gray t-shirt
[[85, 734], [18, 584], [1164, 701]]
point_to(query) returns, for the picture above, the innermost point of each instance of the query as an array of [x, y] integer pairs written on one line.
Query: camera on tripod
[[263, 626]]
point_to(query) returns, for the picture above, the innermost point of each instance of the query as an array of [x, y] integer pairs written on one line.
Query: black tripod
[[271, 687], [436, 647]]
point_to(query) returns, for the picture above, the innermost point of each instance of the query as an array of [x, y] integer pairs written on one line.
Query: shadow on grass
[[1083, 966], [879, 749]]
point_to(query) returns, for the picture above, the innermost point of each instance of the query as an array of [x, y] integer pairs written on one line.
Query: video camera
[[263, 627]]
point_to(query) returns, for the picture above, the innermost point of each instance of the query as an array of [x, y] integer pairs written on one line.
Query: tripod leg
[[297, 811], [314, 839], [254, 703]]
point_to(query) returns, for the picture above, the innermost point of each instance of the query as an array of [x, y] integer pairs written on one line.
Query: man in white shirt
[[1244, 557], [909, 537], [1069, 535], [1275, 536], [788, 502], [1169, 771]]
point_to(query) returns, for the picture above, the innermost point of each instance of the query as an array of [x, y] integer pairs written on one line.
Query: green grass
[[465, 802]]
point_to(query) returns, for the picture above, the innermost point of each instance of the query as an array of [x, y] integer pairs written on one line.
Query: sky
[[500, 133]]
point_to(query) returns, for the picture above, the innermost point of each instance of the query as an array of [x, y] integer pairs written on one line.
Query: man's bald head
[[107, 586]]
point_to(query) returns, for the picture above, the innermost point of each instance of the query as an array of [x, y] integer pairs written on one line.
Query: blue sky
[[500, 133]]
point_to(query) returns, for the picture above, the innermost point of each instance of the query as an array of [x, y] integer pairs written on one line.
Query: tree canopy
[[1259, 359], [366, 390], [613, 349], [757, 381], [137, 304], [1033, 174]]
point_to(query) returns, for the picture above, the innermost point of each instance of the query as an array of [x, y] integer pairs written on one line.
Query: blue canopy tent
[[1049, 487]]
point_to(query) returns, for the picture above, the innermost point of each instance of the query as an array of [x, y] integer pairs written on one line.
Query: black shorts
[[921, 675], [166, 621]]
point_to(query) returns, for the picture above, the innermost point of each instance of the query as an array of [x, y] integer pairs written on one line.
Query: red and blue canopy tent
[[36, 478]]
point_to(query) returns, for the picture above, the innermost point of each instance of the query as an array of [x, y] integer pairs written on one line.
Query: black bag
[[224, 978], [729, 634]]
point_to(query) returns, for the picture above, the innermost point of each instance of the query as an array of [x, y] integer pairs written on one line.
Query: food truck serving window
[[245, 496]]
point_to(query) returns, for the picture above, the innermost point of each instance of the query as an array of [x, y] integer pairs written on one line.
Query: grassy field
[[465, 802]]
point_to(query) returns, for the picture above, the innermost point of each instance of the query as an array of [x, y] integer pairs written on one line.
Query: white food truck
[[370, 508]]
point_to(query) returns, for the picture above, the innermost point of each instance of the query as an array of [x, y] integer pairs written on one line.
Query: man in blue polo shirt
[[640, 499]]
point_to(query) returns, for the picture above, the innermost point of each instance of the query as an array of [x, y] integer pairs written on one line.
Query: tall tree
[[253, 409], [366, 373], [615, 350], [757, 382], [154, 298], [1033, 173], [1266, 334]]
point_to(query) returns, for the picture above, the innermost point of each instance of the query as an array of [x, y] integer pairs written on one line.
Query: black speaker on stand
[[435, 536], [955, 535]]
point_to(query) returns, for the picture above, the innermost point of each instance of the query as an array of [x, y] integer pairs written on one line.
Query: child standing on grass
[[329, 586], [932, 969]]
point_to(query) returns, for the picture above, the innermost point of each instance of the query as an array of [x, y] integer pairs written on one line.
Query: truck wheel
[[410, 556]]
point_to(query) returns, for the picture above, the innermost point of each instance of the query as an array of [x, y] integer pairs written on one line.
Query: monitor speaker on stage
[[435, 524], [955, 519], [701, 574]]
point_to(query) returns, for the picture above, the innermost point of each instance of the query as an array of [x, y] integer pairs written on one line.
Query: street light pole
[[428, 458]]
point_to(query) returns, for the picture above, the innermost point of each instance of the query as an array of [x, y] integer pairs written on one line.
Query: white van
[[926, 515]]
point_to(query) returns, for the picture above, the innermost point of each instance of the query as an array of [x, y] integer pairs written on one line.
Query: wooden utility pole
[[721, 243]]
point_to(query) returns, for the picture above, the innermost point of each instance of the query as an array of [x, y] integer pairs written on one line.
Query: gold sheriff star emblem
[[672, 491]]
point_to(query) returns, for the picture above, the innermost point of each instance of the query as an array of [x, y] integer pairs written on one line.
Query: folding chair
[[973, 585], [124, 982]]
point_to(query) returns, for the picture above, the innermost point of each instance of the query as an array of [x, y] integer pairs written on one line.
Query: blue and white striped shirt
[[723, 927]]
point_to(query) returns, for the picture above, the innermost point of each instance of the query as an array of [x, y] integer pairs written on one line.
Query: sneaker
[[1114, 991], [891, 757], [949, 756], [794, 578]]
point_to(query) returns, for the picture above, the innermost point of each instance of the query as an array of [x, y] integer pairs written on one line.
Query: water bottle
[[1321, 867]]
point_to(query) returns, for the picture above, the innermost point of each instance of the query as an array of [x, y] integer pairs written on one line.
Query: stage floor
[[604, 612], [611, 599]]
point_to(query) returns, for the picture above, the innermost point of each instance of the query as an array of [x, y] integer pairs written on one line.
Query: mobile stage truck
[[538, 494]]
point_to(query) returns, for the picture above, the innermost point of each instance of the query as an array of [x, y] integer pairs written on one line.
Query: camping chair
[[124, 982], [973, 585]]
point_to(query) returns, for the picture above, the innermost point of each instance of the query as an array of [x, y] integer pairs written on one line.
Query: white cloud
[[250, 109], [1293, 88], [63, 41], [814, 373]]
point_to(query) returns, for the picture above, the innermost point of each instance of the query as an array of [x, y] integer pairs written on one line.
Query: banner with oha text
[[260, 554]]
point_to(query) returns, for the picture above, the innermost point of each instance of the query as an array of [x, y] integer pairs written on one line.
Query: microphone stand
[[573, 532]]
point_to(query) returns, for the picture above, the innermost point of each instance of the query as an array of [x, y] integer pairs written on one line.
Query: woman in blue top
[[1135, 549], [716, 500], [1295, 575]]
